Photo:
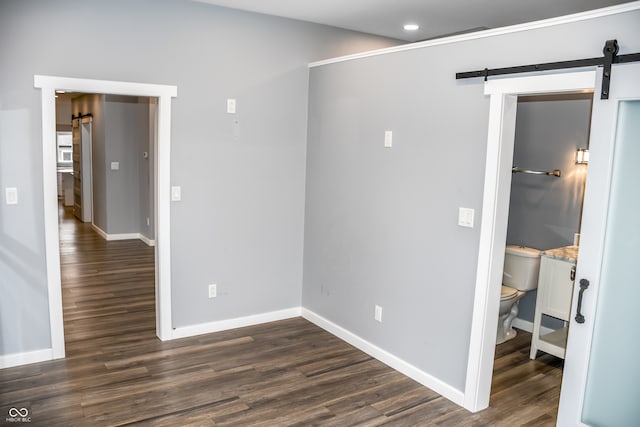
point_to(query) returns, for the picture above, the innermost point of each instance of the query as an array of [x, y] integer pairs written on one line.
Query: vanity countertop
[[567, 253]]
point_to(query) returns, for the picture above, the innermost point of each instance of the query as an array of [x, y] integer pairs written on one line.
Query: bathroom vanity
[[555, 290]]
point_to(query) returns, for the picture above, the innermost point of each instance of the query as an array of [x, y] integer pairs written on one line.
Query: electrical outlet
[[176, 194], [378, 314], [213, 291], [11, 195], [465, 217]]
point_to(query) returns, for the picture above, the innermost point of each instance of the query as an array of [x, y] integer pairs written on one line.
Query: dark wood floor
[[283, 373]]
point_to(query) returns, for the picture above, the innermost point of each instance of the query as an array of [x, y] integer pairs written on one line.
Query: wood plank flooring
[[277, 374]]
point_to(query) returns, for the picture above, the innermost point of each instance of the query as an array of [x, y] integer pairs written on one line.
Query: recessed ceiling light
[[411, 27]]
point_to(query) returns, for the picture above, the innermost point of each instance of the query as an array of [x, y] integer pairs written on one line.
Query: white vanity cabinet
[[555, 289]]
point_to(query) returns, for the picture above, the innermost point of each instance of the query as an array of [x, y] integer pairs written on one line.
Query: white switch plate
[[115, 166], [388, 139], [11, 195], [231, 106], [213, 291], [176, 194], [465, 217], [378, 314]]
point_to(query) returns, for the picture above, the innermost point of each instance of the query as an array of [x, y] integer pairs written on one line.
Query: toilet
[[520, 275]]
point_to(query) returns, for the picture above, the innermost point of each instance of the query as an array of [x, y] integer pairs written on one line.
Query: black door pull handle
[[584, 284]]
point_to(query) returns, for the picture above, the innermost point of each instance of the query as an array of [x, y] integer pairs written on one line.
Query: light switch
[[465, 217], [388, 139], [115, 166], [377, 314], [176, 194], [11, 195], [231, 106]]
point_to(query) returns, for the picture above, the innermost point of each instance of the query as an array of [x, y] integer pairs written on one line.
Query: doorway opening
[[161, 189], [504, 95], [544, 219], [107, 259]]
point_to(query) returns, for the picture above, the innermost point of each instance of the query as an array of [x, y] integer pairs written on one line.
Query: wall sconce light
[[582, 156]]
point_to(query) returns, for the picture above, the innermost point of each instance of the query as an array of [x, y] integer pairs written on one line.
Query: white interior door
[[601, 371]]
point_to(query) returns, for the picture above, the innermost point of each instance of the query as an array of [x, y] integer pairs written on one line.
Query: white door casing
[[162, 188], [493, 228]]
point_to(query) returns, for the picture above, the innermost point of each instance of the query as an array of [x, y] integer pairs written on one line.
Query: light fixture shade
[[582, 156]]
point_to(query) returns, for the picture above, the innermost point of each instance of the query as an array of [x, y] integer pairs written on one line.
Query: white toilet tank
[[521, 267]]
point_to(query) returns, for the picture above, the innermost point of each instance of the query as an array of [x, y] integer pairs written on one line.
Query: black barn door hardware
[[584, 284], [610, 52]]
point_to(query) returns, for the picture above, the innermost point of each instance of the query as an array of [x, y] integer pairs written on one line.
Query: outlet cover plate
[[11, 196], [176, 194], [465, 217]]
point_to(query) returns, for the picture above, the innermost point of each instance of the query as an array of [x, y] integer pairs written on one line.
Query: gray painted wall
[[381, 224], [120, 131], [240, 223], [544, 211], [127, 136]]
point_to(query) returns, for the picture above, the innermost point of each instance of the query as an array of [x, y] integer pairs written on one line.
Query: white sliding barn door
[[601, 371]]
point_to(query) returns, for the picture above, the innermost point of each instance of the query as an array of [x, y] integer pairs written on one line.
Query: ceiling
[[435, 17]]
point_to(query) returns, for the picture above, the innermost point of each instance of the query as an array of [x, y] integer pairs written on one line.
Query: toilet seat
[[506, 292]]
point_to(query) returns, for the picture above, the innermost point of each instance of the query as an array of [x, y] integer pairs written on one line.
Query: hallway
[[108, 286]]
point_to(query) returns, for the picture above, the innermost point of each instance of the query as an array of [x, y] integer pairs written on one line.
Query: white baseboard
[[145, 239], [238, 322], [18, 359], [526, 325], [99, 230], [123, 236], [435, 384]]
